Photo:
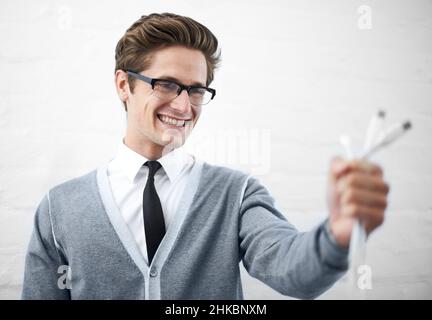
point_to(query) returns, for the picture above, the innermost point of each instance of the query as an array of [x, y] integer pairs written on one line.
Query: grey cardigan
[[225, 216]]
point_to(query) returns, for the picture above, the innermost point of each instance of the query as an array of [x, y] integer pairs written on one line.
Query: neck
[[147, 149]]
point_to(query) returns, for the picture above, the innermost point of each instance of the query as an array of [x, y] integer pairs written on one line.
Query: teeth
[[178, 123]]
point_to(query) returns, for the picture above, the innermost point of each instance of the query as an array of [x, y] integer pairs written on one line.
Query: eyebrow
[[177, 80]]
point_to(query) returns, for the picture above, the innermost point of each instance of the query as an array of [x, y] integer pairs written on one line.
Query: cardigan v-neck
[[127, 238]]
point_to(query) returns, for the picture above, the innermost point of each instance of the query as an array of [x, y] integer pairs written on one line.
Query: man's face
[[145, 124]]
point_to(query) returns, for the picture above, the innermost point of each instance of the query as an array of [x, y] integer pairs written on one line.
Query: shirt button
[[153, 272]]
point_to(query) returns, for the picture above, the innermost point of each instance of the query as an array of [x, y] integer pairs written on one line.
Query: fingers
[[371, 216], [364, 197], [340, 167], [362, 181], [356, 191]]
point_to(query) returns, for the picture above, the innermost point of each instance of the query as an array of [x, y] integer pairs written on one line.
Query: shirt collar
[[130, 162]]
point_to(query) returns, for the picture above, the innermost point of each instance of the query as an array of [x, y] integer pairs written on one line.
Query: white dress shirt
[[128, 176]]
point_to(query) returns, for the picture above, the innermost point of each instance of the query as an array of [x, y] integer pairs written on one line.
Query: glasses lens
[[166, 89], [199, 96]]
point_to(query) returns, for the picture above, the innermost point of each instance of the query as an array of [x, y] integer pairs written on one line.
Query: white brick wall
[[60, 117]]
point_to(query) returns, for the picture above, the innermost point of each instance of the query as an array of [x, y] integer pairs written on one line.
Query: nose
[[182, 103]]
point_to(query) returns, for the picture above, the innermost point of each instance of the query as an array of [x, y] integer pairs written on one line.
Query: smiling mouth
[[171, 121]]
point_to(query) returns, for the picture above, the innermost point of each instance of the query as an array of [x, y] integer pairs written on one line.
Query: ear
[[122, 85]]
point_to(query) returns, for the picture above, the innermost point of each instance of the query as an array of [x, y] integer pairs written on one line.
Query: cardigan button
[[153, 272]]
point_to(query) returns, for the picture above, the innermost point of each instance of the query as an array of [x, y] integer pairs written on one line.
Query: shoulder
[[226, 173], [230, 181], [213, 172], [61, 197], [74, 188]]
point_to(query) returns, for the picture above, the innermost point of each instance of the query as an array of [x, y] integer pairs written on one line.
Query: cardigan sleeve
[[297, 264], [45, 266]]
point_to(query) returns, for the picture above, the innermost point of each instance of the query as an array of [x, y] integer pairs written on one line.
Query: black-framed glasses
[[169, 90]]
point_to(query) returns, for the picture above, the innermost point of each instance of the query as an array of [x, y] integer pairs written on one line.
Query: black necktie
[[154, 224]]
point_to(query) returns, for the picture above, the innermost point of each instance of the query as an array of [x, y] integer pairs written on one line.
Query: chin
[[178, 137], [171, 139]]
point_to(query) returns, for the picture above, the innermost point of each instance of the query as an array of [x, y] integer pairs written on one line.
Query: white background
[[294, 76]]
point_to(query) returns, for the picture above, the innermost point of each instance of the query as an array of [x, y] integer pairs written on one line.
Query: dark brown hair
[[156, 31]]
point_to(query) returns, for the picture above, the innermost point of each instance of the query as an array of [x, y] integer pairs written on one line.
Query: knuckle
[[349, 196], [380, 218], [350, 180], [378, 170], [353, 210], [386, 188]]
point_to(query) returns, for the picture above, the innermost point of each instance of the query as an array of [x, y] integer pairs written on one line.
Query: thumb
[[338, 166]]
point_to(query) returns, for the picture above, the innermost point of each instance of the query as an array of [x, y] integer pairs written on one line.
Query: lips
[[171, 121]]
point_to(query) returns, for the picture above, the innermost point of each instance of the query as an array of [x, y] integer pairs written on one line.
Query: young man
[[157, 223]]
